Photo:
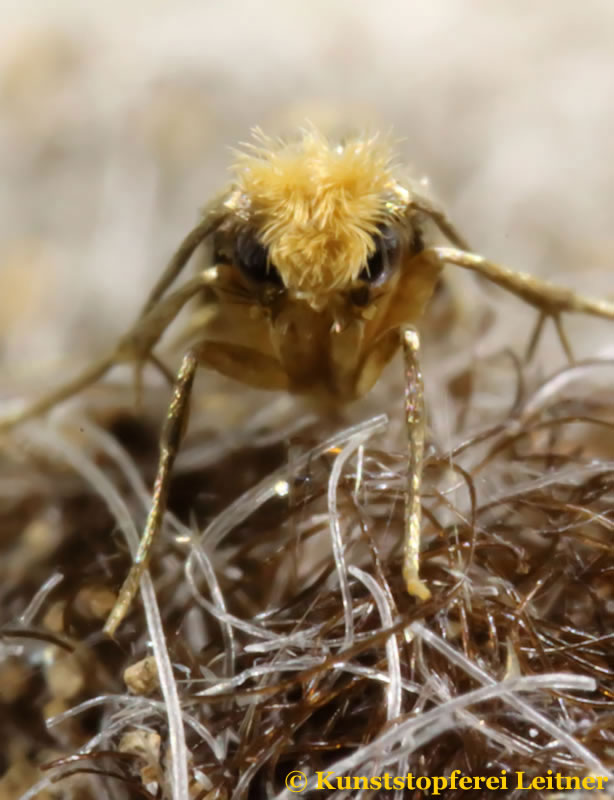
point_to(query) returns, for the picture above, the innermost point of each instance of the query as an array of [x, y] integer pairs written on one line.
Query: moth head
[[312, 218]]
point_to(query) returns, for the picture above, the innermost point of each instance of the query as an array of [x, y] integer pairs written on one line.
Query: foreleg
[[414, 419], [170, 441], [247, 365]]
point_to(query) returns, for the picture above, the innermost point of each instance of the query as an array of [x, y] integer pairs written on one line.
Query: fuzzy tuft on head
[[316, 204]]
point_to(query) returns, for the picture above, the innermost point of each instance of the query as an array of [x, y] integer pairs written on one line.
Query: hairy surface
[[280, 636], [319, 203]]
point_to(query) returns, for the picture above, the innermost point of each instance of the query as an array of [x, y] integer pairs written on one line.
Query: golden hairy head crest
[[316, 204]]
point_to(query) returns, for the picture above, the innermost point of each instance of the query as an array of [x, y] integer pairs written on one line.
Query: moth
[[322, 269]]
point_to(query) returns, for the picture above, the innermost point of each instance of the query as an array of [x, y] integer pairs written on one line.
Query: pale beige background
[[116, 118]]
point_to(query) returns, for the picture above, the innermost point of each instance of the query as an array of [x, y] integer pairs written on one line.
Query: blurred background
[[116, 122]]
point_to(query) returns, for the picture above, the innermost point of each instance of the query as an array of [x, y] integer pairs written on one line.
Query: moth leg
[[563, 339], [170, 441], [139, 366], [136, 346], [173, 269], [414, 419], [247, 365], [537, 330], [550, 300], [535, 336], [181, 257], [93, 373], [166, 373]]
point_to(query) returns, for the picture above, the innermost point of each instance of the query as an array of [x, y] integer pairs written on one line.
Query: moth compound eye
[[252, 258], [383, 259]]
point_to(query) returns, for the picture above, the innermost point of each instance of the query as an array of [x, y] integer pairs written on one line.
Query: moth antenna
[[214, 216], [440, 218]]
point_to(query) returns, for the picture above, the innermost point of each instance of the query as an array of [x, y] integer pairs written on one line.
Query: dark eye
[[252, 258], [383, 258]]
